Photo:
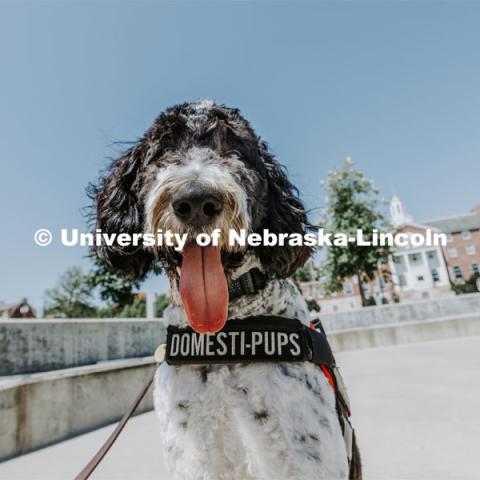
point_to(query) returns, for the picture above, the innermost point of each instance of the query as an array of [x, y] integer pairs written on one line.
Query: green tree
[[302, 274], [71, 298], [137, 309], [352, 205], [116, 290], [162, 301], [468, 286]]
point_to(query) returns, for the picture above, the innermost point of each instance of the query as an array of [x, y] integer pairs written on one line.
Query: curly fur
[[125, 200], [245, 422]]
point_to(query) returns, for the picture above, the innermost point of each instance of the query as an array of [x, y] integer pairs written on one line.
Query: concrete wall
[[402, 312], [405, 332], [40, 409], [43, 408], [28, 346]]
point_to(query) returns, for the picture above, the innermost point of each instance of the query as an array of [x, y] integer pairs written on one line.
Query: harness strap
[[341, 396]]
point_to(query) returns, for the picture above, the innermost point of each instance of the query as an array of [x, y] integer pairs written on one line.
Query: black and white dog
[[198, 168]]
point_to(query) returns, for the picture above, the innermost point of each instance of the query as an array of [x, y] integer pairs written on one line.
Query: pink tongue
[[203, 288]]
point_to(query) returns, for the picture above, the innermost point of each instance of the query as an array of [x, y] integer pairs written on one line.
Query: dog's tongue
[[204, 288]]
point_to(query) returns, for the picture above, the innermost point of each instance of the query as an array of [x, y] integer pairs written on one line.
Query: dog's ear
[[116, 209], [284, 214]]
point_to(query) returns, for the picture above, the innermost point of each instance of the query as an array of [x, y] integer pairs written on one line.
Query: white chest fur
[[259, 421]]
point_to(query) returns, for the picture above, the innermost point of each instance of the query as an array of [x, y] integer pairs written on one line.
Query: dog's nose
[[197, 206]]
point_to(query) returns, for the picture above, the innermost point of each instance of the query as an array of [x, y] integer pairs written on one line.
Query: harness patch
[[239, 341]]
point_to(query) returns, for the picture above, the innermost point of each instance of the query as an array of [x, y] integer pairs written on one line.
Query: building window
[[402, 280], [457, 272], [431, 255], [452, 252], [466, 235], [415, 259], [435, 275], [475, 269], [399, 265], [420, 278], [470, 249]]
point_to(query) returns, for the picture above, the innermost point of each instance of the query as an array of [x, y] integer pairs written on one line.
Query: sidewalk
[[415, 408]]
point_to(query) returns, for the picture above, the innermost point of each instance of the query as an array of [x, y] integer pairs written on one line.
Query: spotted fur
[[262, 421]]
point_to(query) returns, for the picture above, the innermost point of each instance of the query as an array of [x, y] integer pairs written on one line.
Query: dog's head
[[199, 167]]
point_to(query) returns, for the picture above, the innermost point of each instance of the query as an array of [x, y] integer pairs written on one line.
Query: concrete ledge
[[405, 332], [29, 346], [40, 409], [403, 312], [44, 408]]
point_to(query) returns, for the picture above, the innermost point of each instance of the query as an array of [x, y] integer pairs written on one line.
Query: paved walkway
[[416, 409]]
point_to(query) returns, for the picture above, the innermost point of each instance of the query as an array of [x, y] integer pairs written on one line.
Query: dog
[[198, 168]]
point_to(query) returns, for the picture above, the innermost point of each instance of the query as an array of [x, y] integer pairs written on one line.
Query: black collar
[[249, 283], [252, 339]]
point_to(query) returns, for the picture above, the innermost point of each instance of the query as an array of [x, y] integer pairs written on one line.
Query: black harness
[[263, 339]]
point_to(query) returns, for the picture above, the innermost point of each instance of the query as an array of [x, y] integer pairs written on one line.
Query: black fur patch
[[261, 416], [204, 374]]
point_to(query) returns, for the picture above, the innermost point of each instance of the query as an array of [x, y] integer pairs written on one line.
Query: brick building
[[415, 272], [462, 252]]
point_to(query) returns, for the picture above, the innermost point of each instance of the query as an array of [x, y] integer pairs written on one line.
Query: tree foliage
[[116, 290], [137, 309], [71, 298], [352, 205], [302, 274], [468, 286], [162, 301], [75, 294]]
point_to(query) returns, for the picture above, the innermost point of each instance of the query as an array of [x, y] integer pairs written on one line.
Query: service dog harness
[[263, 339], [252, 339]]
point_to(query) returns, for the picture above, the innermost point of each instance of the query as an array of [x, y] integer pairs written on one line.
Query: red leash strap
[[93, 463]]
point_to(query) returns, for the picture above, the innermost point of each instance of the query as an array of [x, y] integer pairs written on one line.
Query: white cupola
[[398, 215]]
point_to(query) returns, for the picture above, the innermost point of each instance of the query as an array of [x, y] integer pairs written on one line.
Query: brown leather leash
[[98, 457]]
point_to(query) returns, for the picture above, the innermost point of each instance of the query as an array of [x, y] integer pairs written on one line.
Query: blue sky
[[394, 85]]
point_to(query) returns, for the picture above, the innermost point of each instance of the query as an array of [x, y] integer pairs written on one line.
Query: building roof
[[458, 223], [17, 310]]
